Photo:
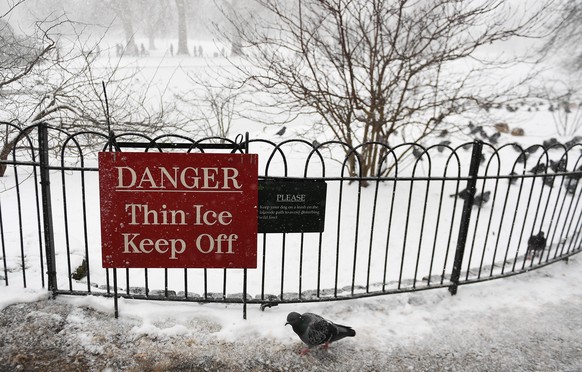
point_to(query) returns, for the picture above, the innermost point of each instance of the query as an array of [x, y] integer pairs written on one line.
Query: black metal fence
[[424, 217]]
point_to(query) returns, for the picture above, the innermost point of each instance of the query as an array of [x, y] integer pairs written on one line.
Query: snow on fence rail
[[406, 226]]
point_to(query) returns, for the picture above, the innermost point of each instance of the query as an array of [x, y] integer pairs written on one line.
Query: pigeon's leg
[[304, 351], [325, 346]]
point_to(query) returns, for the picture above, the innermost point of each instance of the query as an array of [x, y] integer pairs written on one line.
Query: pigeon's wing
[[318, 330], [463, 194], [536, 243]]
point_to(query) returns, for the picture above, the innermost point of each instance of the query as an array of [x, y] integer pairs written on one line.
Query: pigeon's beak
[[286, 323]]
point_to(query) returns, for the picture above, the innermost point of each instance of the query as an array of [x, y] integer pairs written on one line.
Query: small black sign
[[291, 206]]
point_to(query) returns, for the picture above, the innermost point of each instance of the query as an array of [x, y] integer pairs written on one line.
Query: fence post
[[466, 216], [45, 186], [245, 278]]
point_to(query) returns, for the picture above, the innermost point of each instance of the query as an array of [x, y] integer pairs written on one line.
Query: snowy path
[[530, 322]]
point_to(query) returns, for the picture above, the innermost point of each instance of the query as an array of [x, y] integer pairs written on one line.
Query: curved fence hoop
[[385, 233]]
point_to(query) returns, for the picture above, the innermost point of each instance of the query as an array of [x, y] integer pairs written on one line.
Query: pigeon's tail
[[343, 331], [349, 332]]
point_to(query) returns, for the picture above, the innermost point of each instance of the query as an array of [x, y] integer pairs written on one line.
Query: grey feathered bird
[[418, 153], [558, 166], [441, 146], [539, 168], [494, 137], [536, 245], [478, 200], [315, 330], [481, 199], [463, 194]]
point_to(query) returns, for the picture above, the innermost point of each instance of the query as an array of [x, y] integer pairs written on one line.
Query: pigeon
[[481, 199], [494, 138], [476, 129], [549, 181], [315, 330], [573, 142], [441, 145], [513, 180], [522, 157], [550, 143], [536, 244], [417, 153], [444, 133], [483, 134], [463, 194], [576, 176], [539, 168], [571, 186], [516, 147], [558, 166], [281, 131], [478, 200]]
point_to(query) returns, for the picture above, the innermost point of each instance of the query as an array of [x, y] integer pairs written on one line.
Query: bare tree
[[564, 102], [372, 69], [65, 88], [123, 10], [182, 28], [213, 107], [230, 9], [155, 19], [567, 34]]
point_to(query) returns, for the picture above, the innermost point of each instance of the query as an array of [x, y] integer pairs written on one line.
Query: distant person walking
[[171, 50]]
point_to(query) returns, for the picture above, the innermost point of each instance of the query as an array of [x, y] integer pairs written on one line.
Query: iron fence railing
[[420, 218]]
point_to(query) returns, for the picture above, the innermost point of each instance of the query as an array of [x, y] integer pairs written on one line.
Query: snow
[[506, 321], [526, 322], [16, 294]]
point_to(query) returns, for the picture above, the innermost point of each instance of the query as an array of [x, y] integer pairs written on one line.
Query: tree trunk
[[182, 29], [151, 42], [124, 12], [4, 156], [9, 147]]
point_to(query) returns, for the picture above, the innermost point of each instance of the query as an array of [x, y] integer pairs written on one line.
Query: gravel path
[[53, 335]]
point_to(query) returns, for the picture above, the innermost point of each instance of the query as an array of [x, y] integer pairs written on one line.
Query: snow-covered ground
[[530, 322], [527, 322]]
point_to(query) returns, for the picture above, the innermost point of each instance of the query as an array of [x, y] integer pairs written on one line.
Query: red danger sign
[[176, 210]]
